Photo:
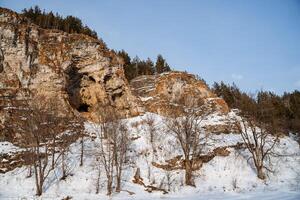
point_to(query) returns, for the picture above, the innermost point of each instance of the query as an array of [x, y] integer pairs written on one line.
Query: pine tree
[[129, 68], [161, 65], [150, 67], [70, 24]]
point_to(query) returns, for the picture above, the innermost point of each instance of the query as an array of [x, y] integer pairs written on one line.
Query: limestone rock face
[[164, 93], [75, 70], [81, 75]]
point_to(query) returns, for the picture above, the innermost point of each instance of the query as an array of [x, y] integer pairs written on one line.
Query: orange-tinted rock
[[78, 72], [164, 94]]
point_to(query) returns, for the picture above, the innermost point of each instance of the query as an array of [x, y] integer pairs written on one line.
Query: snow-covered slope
[[227, 177]]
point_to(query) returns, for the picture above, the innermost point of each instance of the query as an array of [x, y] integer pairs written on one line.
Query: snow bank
[[8, 148], [230, 177]]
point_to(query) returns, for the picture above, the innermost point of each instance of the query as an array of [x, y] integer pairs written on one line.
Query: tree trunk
[[39, 191], [29, 172], [260, 173], [36, 175], [118, 187], [53, 153], [109, 186], [53, 158], [119, 174], [63, 166], [151, 137], [98, 181], [41, 185], [259, 168], [40, 174], [189, 173], [81, 155], [39, 180]]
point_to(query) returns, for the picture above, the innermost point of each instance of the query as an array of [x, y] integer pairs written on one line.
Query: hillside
[[73, 127], [225, 176]]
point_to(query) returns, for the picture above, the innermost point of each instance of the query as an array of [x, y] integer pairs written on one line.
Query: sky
[[255, 44]]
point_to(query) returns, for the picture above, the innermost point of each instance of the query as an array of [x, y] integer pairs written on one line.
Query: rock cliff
[[164, 94], [75, 70], [80, 74]]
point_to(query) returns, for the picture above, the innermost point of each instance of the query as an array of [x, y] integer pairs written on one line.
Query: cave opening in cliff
[[106, 78], [83, 107], [117, 95], [92, 79]]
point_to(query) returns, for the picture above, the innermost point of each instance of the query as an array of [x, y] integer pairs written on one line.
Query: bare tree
[[259, 142], [64, 149], [38, 130], [78, 127], [98, 180], [152, 128], [113, 147], [30, 123], [38, 122], [191, 137], [169, 180], [72, 131], [52, 122], [121, 143], [106, 154]]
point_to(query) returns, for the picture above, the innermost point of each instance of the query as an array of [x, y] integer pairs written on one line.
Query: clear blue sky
[[255, 44]]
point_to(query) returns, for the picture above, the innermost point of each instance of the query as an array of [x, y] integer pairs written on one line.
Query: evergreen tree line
[[49, 20], [266, 106], [136, 67]]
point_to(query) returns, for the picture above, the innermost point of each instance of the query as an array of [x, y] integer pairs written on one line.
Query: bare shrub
[[40, 128], [152, 128], [113, 147], [191, 137], [259, 143], [234, 183]]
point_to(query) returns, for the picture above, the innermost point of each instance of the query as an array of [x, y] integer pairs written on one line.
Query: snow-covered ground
[[230, 177], [7, 148]]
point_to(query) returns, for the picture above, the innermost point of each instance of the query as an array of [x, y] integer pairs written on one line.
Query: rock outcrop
[[75, 70], [164, 94], [178, 162]]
